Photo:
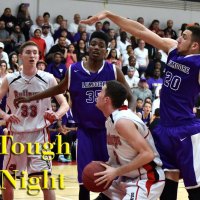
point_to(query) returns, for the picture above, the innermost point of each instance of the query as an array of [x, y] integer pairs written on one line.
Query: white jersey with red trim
[[121, 152], [31, 114]]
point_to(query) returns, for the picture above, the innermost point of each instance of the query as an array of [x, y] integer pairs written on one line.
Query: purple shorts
[[179, 149]]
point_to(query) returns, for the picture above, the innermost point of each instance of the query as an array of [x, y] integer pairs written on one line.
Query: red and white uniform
[[32, 126], [147, 182]]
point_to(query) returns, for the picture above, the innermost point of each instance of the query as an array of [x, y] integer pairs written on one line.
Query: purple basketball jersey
[[84, 87], [180, 88]]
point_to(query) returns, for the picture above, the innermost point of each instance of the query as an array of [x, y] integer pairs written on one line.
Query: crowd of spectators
[[62, 43]]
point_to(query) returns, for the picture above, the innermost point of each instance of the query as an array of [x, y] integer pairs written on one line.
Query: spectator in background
[[139, 106], [111, 34], [5, 37], [46, 17], [98, 26], [113, 45], [143, 90], [106, 27], [156, 102], [132, 63], [41, 65], [112, 58], [183, 27], [123, 43], [17, 38], [140, 20], [40, 42], [71, 55], [170, 29], [56, 25], [39, 22], [154, 26], [131, 79], [85, 37], [81, 29], [3, 54], [64, 34], [13, 60], [155, 120], [24, 19], [3, 69], [81, 50], [47, 37], [141, 54], [9, 19], [57, 67], [90, 28], [73, 26]]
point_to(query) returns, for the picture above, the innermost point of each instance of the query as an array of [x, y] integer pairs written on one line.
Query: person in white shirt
[[39, 22], [3, 54], [131, 79], [73, 26]]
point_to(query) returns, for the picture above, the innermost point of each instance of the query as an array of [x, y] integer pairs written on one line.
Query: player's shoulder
[[44, 74], [13, 76]]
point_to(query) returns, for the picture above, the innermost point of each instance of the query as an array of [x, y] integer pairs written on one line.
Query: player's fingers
[[107, 184], [99, 173], [101, 181]]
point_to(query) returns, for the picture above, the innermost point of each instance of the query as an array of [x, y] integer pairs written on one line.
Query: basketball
[[89, 178]]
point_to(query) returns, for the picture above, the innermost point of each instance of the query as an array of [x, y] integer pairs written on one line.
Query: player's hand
[[50, 116], [107, 176], [19, 100], [11, 118], [95, 18]]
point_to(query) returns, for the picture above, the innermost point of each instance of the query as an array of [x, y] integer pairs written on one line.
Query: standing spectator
[[140, 20], [24, 19], [71, 55], [154, 26], [47, 37], [3, 54], [17, 38], [40, 42], [39, 22], [141, 54], [9, 19], [57, 67], [170, 29], [73, 26]]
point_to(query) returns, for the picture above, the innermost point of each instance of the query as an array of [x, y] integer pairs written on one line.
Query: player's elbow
[[149, 156]]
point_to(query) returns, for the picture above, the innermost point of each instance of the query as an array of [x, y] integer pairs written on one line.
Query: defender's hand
[[19, 100]]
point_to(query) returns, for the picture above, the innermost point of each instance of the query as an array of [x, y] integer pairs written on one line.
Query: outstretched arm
[[136, 29]]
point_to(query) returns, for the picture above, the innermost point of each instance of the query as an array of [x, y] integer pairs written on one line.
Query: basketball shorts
[[91, 146], [179, 150], [34, 164], [136, 189]]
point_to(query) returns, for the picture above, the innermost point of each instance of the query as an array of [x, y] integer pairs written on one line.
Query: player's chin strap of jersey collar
[[124, 107]]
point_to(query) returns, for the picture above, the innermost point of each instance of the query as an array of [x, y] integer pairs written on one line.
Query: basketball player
[[26, 123], [177, 138], [84, 81], [133, 158]]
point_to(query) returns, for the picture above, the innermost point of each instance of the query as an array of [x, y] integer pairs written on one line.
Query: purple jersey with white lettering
[[84, 87], [180, 88]]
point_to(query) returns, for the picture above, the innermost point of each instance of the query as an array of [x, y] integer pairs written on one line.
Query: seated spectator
[[73, 26], [47, 37], [3, 54], [41, 65], [170, 29], [142, 91], [111, 34], [81, 50], [13, 60], [5, 37], [146, 115], [56, 25], [3, 69], [112, 58], [64, 33], [60, 47], [139, 106], [46, 17], [132, 62], [133, 41], [71, 55], [24, 19], [123, 43], [155, 81], [17, 38], [98, 26], [9, 19], [141, 54], [57, 67], [81, 29], [131, 79], [39, 22], [106, 27], [113, 45], [40, 42], [85, 37], [63, 26], [154, 26], [155, 121], [182, 29]]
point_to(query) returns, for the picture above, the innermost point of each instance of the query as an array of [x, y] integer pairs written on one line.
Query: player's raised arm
[[53, 91], [134, 28]]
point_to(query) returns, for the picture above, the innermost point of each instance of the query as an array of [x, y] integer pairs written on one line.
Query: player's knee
[[194, 194]]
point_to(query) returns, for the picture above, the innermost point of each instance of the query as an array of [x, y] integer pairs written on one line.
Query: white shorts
[[126, 188], [34, 164]]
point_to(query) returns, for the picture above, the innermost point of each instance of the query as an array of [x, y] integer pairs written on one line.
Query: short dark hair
[[195, 33], [46, 13], [25, 44], [100, 35], [117, 93]]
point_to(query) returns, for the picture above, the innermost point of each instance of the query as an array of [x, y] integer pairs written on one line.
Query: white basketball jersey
[[31, 114], [119, 150]]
